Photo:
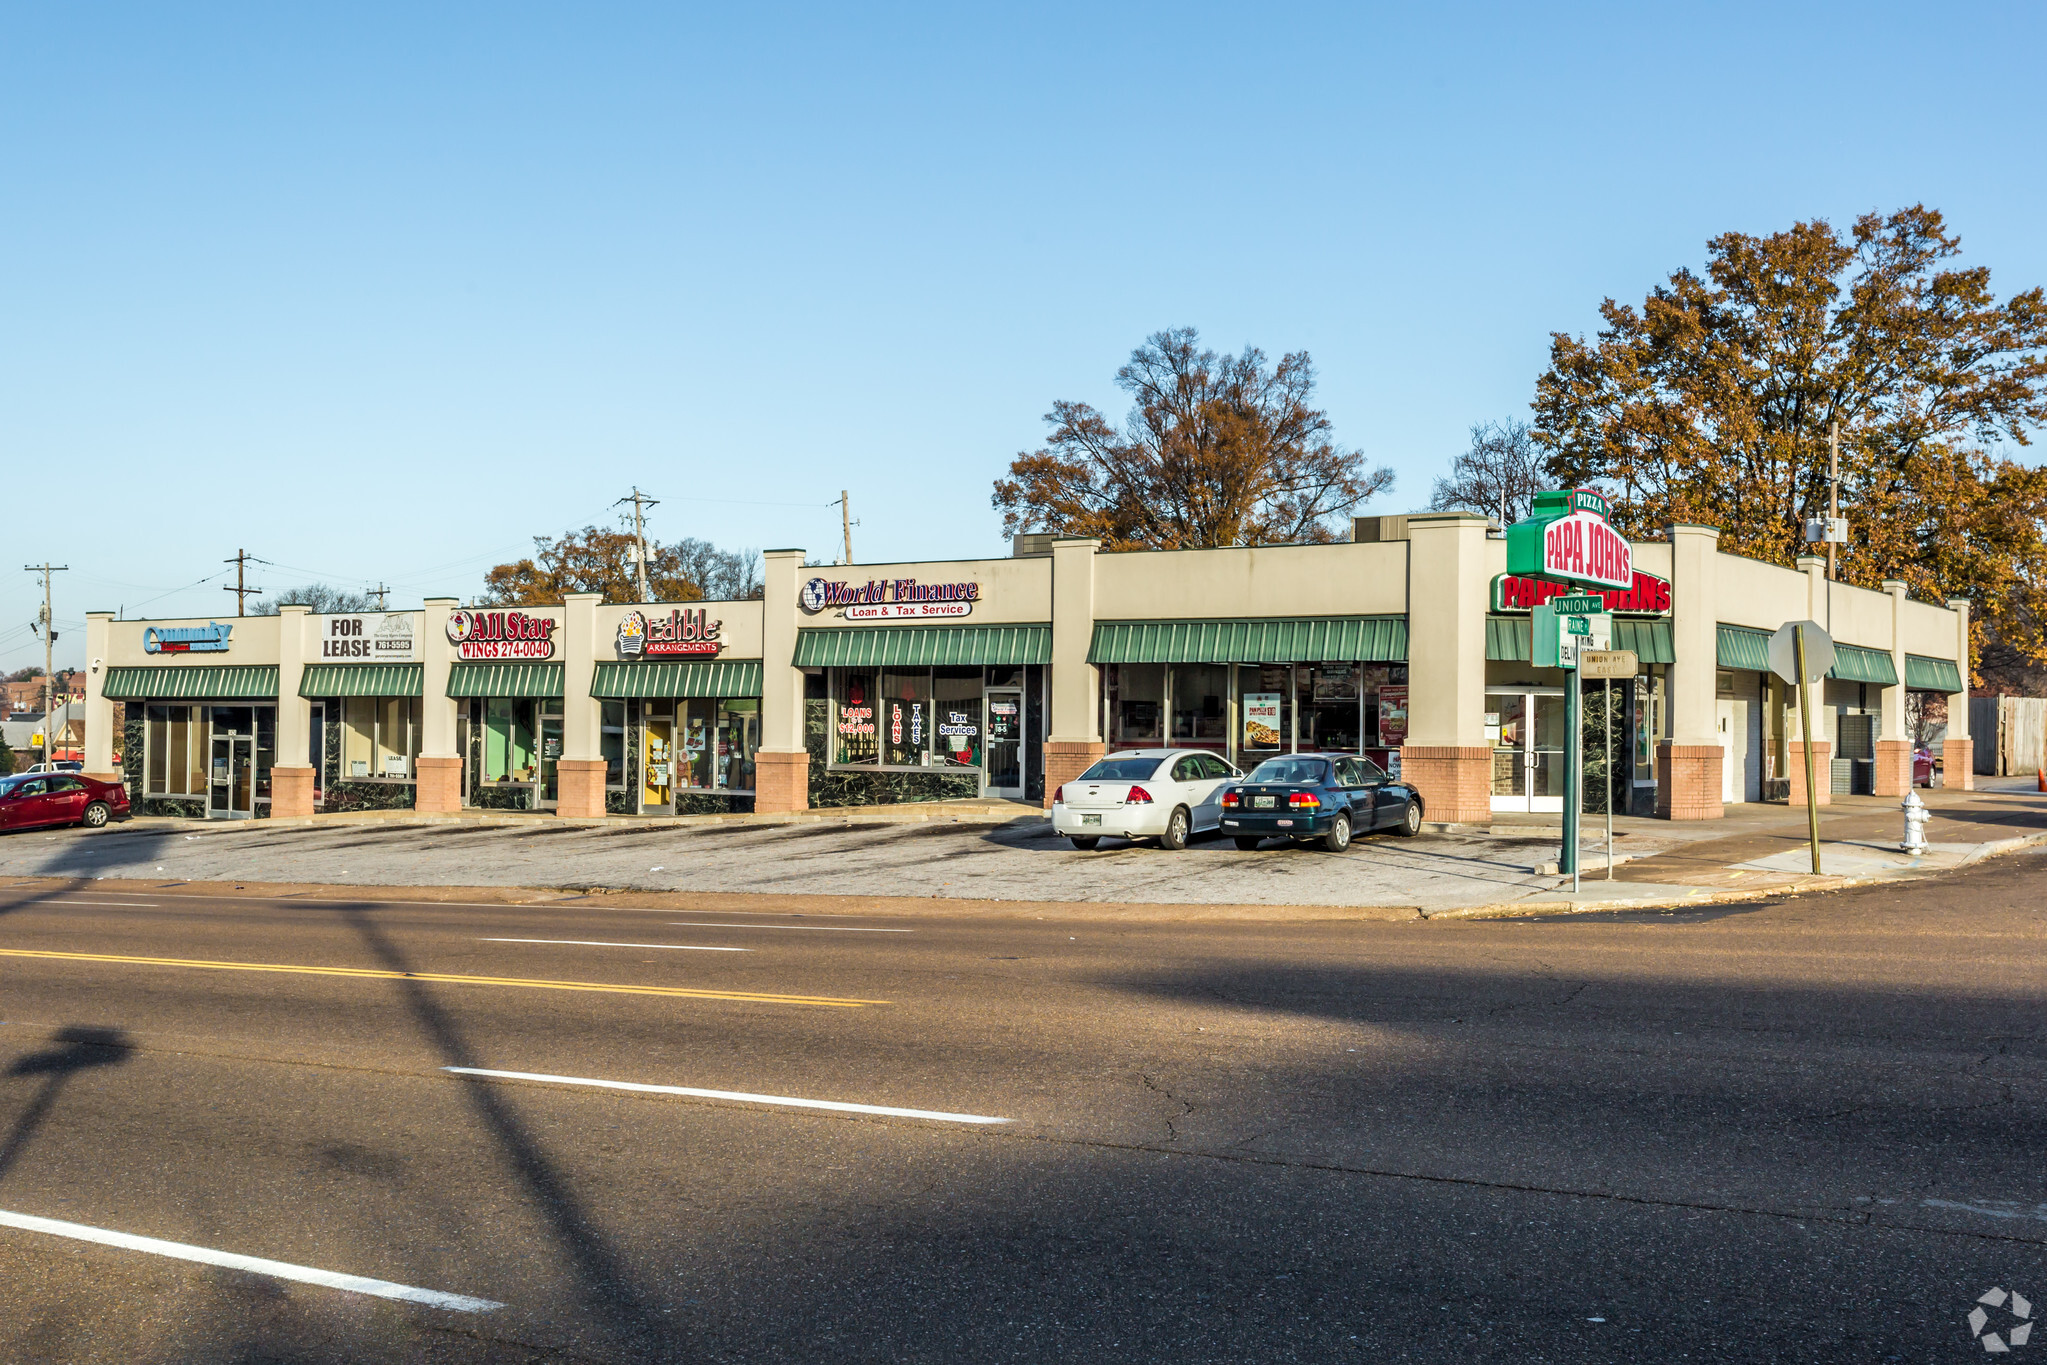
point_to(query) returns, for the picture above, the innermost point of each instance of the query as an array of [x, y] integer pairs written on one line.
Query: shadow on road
[[77, 1048]]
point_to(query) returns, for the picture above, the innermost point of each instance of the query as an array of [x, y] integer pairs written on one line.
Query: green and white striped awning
[[922, 646], [238, 682], [1507, 639], [1923, 674], [1853, 663], [505, 680], [363, 680], [1371, 639], [678, 678], [1741, 647]]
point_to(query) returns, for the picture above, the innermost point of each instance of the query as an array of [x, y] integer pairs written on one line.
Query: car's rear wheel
[[1338, 838], [1177, 827], [95, 815], [1085, 842], [1410, 820], [1247, 842]]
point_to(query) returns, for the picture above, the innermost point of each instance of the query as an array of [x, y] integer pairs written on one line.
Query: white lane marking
[[593, 943], [135, 905], [283, 1270], [837, 1106], [823, 928]]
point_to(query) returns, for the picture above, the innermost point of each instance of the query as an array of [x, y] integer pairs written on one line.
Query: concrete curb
[[850, 815]]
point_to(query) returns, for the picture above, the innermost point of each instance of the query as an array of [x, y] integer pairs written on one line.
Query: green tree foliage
[[595, 559], [1711, 403]]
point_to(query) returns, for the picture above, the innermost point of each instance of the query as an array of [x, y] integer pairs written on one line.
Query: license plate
[[1283, 824], [1264, 802], [1091, 819]]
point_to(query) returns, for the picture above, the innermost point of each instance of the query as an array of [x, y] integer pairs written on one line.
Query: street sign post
[[1801, 652], [1606, 665]]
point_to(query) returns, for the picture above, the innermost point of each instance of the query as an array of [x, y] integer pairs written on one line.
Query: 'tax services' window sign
[[678, 634], [389, 638], [501, 635], [890, 599], [210, 638], [1568, 540]]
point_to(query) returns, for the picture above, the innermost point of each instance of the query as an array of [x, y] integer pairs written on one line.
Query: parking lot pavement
[[1017, 860]]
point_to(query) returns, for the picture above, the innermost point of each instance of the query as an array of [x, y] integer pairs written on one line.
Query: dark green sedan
[[1330, 797]]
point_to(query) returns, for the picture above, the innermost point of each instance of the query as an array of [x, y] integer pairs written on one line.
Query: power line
[[241, 590]]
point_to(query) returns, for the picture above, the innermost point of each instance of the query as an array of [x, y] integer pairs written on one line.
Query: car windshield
[[1121, 770], [1298, 772]]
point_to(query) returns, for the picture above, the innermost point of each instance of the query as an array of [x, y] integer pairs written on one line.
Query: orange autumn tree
[[1217, 450], [1711, 403]]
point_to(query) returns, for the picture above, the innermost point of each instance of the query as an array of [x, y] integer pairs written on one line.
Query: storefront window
[[905, 719], [508, 749], [1200, 704], [857, 736], [1137, 699], [379, 737], [739, 727], [698, 728], [1648, 723], [1265, 702], [175, 751], [612, 744], [1330, 707], [956, 708]]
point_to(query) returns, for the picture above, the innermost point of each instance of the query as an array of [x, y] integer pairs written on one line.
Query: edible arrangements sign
[[682, 633], [890, 599], [501, 635], [1568, 540]]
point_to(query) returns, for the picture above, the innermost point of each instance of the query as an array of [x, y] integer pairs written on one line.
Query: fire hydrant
[[1916, 816]]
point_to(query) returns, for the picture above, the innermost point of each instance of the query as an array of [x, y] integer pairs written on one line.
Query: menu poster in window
[[1393, 716], [1261, 720]]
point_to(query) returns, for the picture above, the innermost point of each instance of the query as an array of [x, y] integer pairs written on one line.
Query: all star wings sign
[[1568, 540]]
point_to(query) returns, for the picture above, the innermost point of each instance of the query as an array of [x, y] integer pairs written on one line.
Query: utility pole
[[640, 502], [379, 593], [241, 589], [846, 521], [49, 634], [1833, 490]]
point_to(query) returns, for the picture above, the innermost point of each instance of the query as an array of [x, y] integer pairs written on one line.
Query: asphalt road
[[1797, 1131]]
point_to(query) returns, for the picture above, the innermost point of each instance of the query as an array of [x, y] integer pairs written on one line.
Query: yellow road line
[[757, 997]]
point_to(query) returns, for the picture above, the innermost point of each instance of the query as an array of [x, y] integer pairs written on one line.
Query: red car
[[35, 799]]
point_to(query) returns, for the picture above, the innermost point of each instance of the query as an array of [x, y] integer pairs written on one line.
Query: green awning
[[678, 678], [921, 646], [1651, 640], [1932, 675], [1372, 639], [240, 682], [505, 680], [1743, 648], [1507, 639], [1853, 663], [363, 680]]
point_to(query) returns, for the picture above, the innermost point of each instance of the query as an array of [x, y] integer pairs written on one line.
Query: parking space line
[[820, 928], [121, 905], [255, 1265], [595, 943], [448, 978], [738, 1096]]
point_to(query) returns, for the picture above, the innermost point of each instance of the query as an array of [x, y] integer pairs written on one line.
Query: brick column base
[[579, 794], [439, 784], [1893, 767], [1065, 760], [291, 790], [1958, 764], [781, 781], [108, 777], [1822, 770], [1455, 781], [1688, 780]]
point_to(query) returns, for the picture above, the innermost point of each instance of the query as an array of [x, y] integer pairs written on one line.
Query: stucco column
[[781, 771], [1818, 606], [1688, 764], [439, 766], [1893, 744], [99, 711], [1073, 729], [1958, 753], [1446, 757], [291, 771], [581, 765]]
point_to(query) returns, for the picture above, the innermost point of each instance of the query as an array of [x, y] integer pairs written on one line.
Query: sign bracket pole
[[1607, 709], [1812, 796]]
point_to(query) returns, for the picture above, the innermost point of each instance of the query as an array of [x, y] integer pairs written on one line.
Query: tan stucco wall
[[1279, 580], [252, 641], [1928, 630]]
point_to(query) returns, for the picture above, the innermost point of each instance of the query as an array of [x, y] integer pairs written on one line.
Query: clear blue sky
[[385, 291]]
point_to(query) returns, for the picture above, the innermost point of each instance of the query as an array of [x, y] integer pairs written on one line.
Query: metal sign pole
[[1574, 770], [1607, 709], [1812, 795]]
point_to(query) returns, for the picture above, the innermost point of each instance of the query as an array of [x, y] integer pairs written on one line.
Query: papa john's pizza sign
[[1568, 540], [501, 635]]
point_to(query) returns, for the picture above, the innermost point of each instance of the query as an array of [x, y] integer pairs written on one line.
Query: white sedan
[[1162, 794]]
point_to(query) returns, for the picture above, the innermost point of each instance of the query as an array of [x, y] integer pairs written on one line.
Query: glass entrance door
[[1527, 732], [231, 784], [1003, 774], [550, 756], [657, 763]]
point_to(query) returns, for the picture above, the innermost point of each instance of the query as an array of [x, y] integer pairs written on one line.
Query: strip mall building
[[1005, 677]]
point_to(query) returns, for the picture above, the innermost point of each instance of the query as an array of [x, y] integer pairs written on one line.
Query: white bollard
[[1916, 816]]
